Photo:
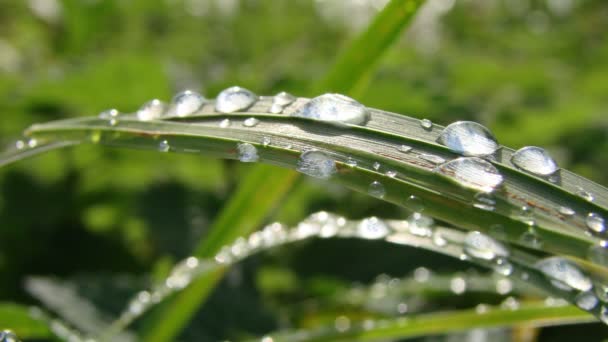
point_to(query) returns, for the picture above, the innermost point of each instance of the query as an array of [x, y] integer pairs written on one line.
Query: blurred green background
[[109, 221]]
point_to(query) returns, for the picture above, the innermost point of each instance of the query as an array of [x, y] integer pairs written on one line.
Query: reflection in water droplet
[[535, 160], [151, 110], [586, 300], [247, 153], [564, 274], [251, 122], [316, 164], [404, 148], [567, 211], [334, 108], [234, 99], [595, 223], [483, 247], [376, 189], [426, 123], [432, 158], [186, 103], [372, 228], [468, 138], [472, 172], [280, 101], [163, 146], [420, 225]]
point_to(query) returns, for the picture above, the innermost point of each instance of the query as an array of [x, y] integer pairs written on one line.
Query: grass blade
[[18, 319]]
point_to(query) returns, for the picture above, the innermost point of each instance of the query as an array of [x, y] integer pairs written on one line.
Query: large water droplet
[[234, 99], [334, 108], [472, 172], [164, 146], [595, 223], [586, 300], [468, 138], [372, 228], [280, 101], [251, 122], [151, 110], [224, 123], [8, 336], [564, 274], [481, 246], [186, 103], [376, 189], [535, 160], [316, 164], [247, 153], [567, 211], [458, 285]]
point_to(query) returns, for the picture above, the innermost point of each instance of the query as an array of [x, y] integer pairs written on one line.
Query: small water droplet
[[598, 254], [20, 144], [376, 166], [526, 215], [586, 300], [164, 146], [376, 189], [186, 103], [439, 240], [414, 203], [266, 141], [504, 286], [422, 274], [109, 114], [234, 99], [503, 266], [481, 309], [334, 108], [458, 285], [316, 164], [510, 303], [31, 143], [251, 122], [567, 211], [535, 160], [585, 194], [182, 273], [391, 173], [224, 123], [247, 153], [426, 123], [484, 201], [372, 228], [564, 274], [420, 225], [432, 158], [481, 246], [404, 148], [468, 138], [342, 324], [351, 162], [151, 110], [595, 223], [531, 239], [472, 172], [8, 336], [280, 101]]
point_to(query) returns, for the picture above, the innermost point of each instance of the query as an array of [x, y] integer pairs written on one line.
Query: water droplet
[[531, 239], [334, 108], [426, 123], [585, 194], [422, 274], [503, 266], [8, 336], [598, 254], [604, 314], [151, 110], [234, 99], [567, 211], [376, 189], [280, 101], [564, 274], [351, 162], [439, 240], [432, 158], [251, 122], [504, 286], [372, 228], [404, 148], [247, 153], [316, 164], [472, 172], [481, 246], [595, 223], [186, 103], [224, 123], [376, 166], [414, 203], [481, 309], [31, 143], [535, 160], [266, 141], [109, 114], [586, 300], [510, 303], [391, 173], [182, 273], [20, 144], [164, 146], [342, 324], [420, 225], [484, 201], [468, 138], [526, 215], [458, 285]]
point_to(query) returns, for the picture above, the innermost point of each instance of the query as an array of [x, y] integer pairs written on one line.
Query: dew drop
[[564, 274], [266, 141], [439, 240], [585, 194], [586, 300], [598, 254], [504, 286], [224, 123], [567, 211], [31, 143], [372, 228], [351, 162], [481, 246], [8, 336], [458, 285], [510, 303], [420, 225], [182, 273], [595, 223], [472, 172], [426, 123], [334, 108], [151, 110], [531, 239], [535, 160], [342, 324], [234, 99], [432, 158], [422, 274], [503, 266], [404, 148], [280, 101], [247, 153], [20, 144], [186, 103], [468, 138], [316, 164], [484, 201], [414, 203], [164, 146], [391, 173], [376, 166], [251, 122], [109, 114], [376, 189]]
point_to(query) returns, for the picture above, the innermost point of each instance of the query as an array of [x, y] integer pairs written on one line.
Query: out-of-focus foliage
[[534, 71]]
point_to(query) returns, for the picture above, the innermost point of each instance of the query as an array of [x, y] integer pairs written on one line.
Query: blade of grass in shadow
[[533, 314], [351, 67]]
